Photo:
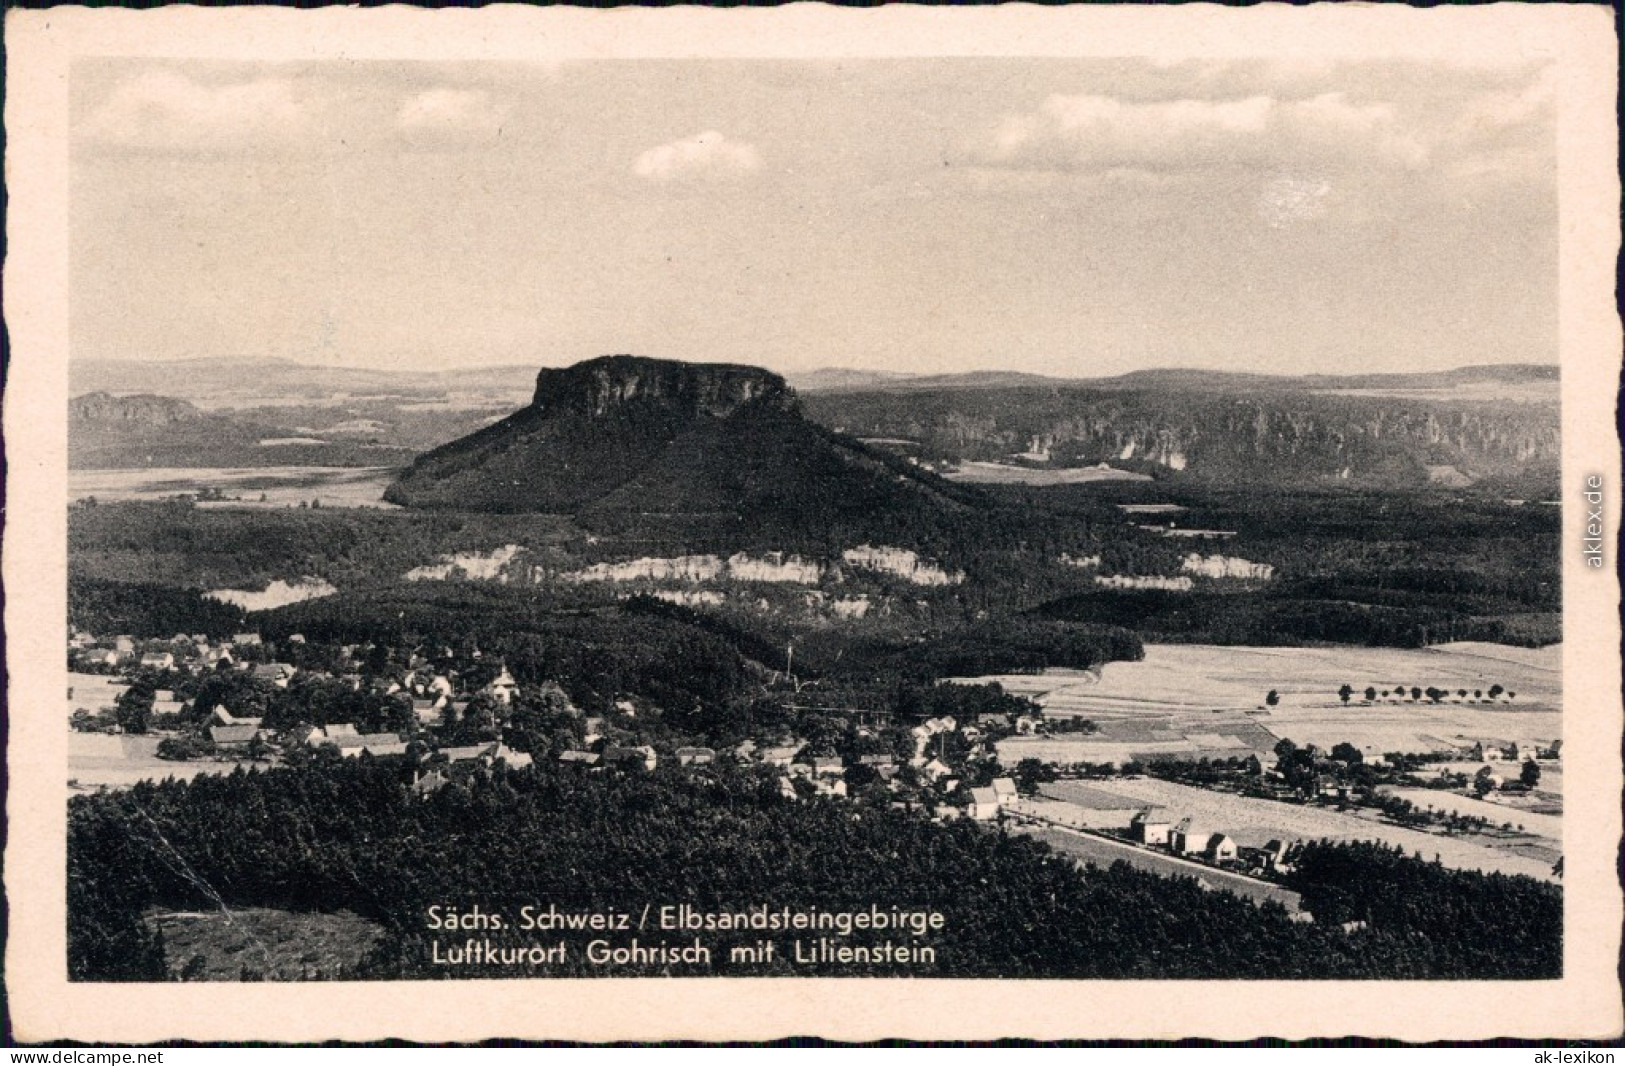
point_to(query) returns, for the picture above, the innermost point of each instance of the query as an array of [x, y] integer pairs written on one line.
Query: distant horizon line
[[823, 369]]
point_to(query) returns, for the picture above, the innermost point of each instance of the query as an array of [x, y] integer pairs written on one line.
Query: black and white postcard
[[732, 524]]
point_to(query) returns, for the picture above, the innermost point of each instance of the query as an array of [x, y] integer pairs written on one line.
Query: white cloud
[[707, 155], [165, 109], [453, 113], [1095, 133]]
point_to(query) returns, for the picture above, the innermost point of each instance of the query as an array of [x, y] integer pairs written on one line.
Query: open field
[[1537, 392], [1102, 852], [979, 473], [1549, 826], [1200, 700], [1103, 813], [1254, 822], [282, 486], [98, 759], [94, 692]]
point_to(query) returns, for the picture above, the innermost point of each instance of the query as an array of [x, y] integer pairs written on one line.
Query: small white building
[[984, 804], [503, 687], [278, 674], [1220, 848], [1150, 826], [1187, 839]]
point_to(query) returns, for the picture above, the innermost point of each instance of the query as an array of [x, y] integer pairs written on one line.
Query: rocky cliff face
[[630, 385], [1278, 436], [647, 439]]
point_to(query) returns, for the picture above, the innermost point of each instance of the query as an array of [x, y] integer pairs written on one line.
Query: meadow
[[1209, 701], [267, 486], [984, 473], [97, 760], [1549, 826], [1254, 822]]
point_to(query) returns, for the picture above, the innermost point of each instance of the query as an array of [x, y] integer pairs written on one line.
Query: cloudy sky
[[1071, 217]]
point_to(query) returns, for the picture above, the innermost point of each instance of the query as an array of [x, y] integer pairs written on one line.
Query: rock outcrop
[[647, 439]]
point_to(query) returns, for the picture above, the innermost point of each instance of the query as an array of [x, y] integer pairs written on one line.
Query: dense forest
[[354, 836], [149, 609], [1349, 567]]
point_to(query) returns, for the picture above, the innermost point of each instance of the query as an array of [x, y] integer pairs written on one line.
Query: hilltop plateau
[[626, 435]]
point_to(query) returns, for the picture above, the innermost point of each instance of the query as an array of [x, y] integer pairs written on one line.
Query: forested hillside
[[622, 439], [353, 836]]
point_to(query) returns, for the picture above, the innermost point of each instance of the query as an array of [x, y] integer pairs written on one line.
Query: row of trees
[[1434, 695]]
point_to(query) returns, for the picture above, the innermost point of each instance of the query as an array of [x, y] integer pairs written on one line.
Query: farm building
[[335, 734], [1272, 856], [781, 756], [642, 755], [1187, 839], [279, 674], [221, 716], [1150, 826], [231, 737], [984, 804], [827, 767], [1220, 848], [372, 744]]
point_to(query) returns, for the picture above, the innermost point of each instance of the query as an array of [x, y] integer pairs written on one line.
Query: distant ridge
[[844, 380], [217, 381], [238, 381]]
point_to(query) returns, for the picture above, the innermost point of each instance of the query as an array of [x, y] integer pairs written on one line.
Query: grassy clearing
[[98, 760]]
